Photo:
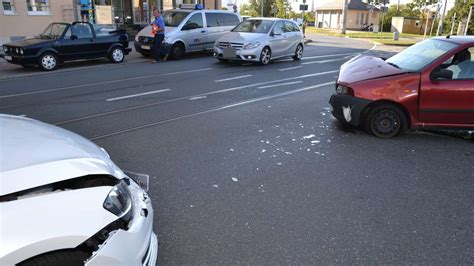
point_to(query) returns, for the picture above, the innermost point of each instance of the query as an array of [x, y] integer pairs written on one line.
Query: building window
[[8, 7], [38, 7]]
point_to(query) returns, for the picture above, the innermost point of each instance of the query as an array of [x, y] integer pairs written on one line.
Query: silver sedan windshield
[[254, 26]]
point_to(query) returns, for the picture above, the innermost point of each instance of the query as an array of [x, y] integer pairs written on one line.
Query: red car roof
[[457, 39]]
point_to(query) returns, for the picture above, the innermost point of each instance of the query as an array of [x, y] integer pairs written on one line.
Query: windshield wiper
[[393, 64]]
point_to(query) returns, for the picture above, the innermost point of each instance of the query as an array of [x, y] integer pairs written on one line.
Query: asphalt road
[[248, 166]]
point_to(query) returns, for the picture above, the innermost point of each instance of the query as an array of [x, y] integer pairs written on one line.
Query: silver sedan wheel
[[299, 51], [117, 55], [48, 62], [265, 56]]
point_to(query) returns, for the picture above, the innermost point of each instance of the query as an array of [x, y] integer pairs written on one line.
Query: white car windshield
[[174, 18], [420, 55], [254, 26]]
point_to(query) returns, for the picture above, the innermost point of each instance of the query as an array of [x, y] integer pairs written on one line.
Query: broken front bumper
[[136, 246], [348, 109]]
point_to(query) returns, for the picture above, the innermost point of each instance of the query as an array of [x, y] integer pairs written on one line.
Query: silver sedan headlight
[[251, 45]]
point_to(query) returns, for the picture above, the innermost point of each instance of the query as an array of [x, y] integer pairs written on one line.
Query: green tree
[[246, 10], [256, 5], [462, 11]]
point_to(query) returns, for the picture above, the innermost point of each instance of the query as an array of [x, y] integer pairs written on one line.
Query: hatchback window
[[461, 64], [81, 31], [420, 55], [254, 26]]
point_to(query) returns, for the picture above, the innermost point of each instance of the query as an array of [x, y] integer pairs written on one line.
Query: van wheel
[[116, 55], [386, 121], [265, 56], [177, 51], [48, 61], [298, 53], [63, 257]]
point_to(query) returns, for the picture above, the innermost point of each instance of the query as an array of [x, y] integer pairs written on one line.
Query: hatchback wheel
[[48, 61], [386, 121], [116, 55], [265, 56], [298, 53]]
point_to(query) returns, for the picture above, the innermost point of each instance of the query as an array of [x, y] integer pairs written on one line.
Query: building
[[329, 15], [20, 18], [410, 25], [27, 18]]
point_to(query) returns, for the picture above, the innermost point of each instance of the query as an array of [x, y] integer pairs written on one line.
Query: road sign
[[303, 7]]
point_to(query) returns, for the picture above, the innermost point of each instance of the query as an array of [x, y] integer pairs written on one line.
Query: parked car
[[428, 85], [188, 30], [261, 40], [64, 202], [62, 42]]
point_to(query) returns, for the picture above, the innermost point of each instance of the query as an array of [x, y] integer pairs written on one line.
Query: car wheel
[[265, 56], [116, 55], [63, 257], [298, 53], [48, 61], [386, 121], [177, 51]]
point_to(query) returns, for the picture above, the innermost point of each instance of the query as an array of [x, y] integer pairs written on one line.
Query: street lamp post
[[441, 20], [344, 17], [261, 14]]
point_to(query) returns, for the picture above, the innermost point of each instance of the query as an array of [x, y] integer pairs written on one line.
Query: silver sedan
[[261, 40]]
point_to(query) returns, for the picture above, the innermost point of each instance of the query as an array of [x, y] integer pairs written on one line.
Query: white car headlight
[[251, 45], [119, 200], [5, 48], [136, 38], [17, 50], [21, 50]]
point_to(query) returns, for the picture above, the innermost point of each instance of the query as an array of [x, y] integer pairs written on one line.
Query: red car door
[[449, 101]]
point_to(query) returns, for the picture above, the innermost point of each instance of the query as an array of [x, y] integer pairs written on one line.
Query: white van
[[188, 30]]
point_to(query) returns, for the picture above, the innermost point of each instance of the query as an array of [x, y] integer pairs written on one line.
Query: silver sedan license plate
[[229, 53], [146, 47]]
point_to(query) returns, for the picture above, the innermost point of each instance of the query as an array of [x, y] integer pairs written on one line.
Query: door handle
[[203, 31]]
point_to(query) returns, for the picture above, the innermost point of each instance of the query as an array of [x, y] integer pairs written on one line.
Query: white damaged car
[[64, 202]]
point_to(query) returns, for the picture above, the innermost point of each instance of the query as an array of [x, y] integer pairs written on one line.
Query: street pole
[[452, 25], [261, 14], [398, 6], [426, 24], [344, 17], [468, 20], [441, 19], [74, 8]]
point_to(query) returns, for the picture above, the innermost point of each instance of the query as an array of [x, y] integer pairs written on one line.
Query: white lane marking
[[103, 82], [212, 110], [227, 79], [197, 98], [187, 97], [280, 84], [324, 56], [136, 95], [322, 62], [289, 68]]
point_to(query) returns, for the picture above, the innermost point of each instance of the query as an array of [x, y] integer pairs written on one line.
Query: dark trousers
[[157, 46]]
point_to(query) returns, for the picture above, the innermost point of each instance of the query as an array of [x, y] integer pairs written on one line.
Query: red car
[[428, 85]]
